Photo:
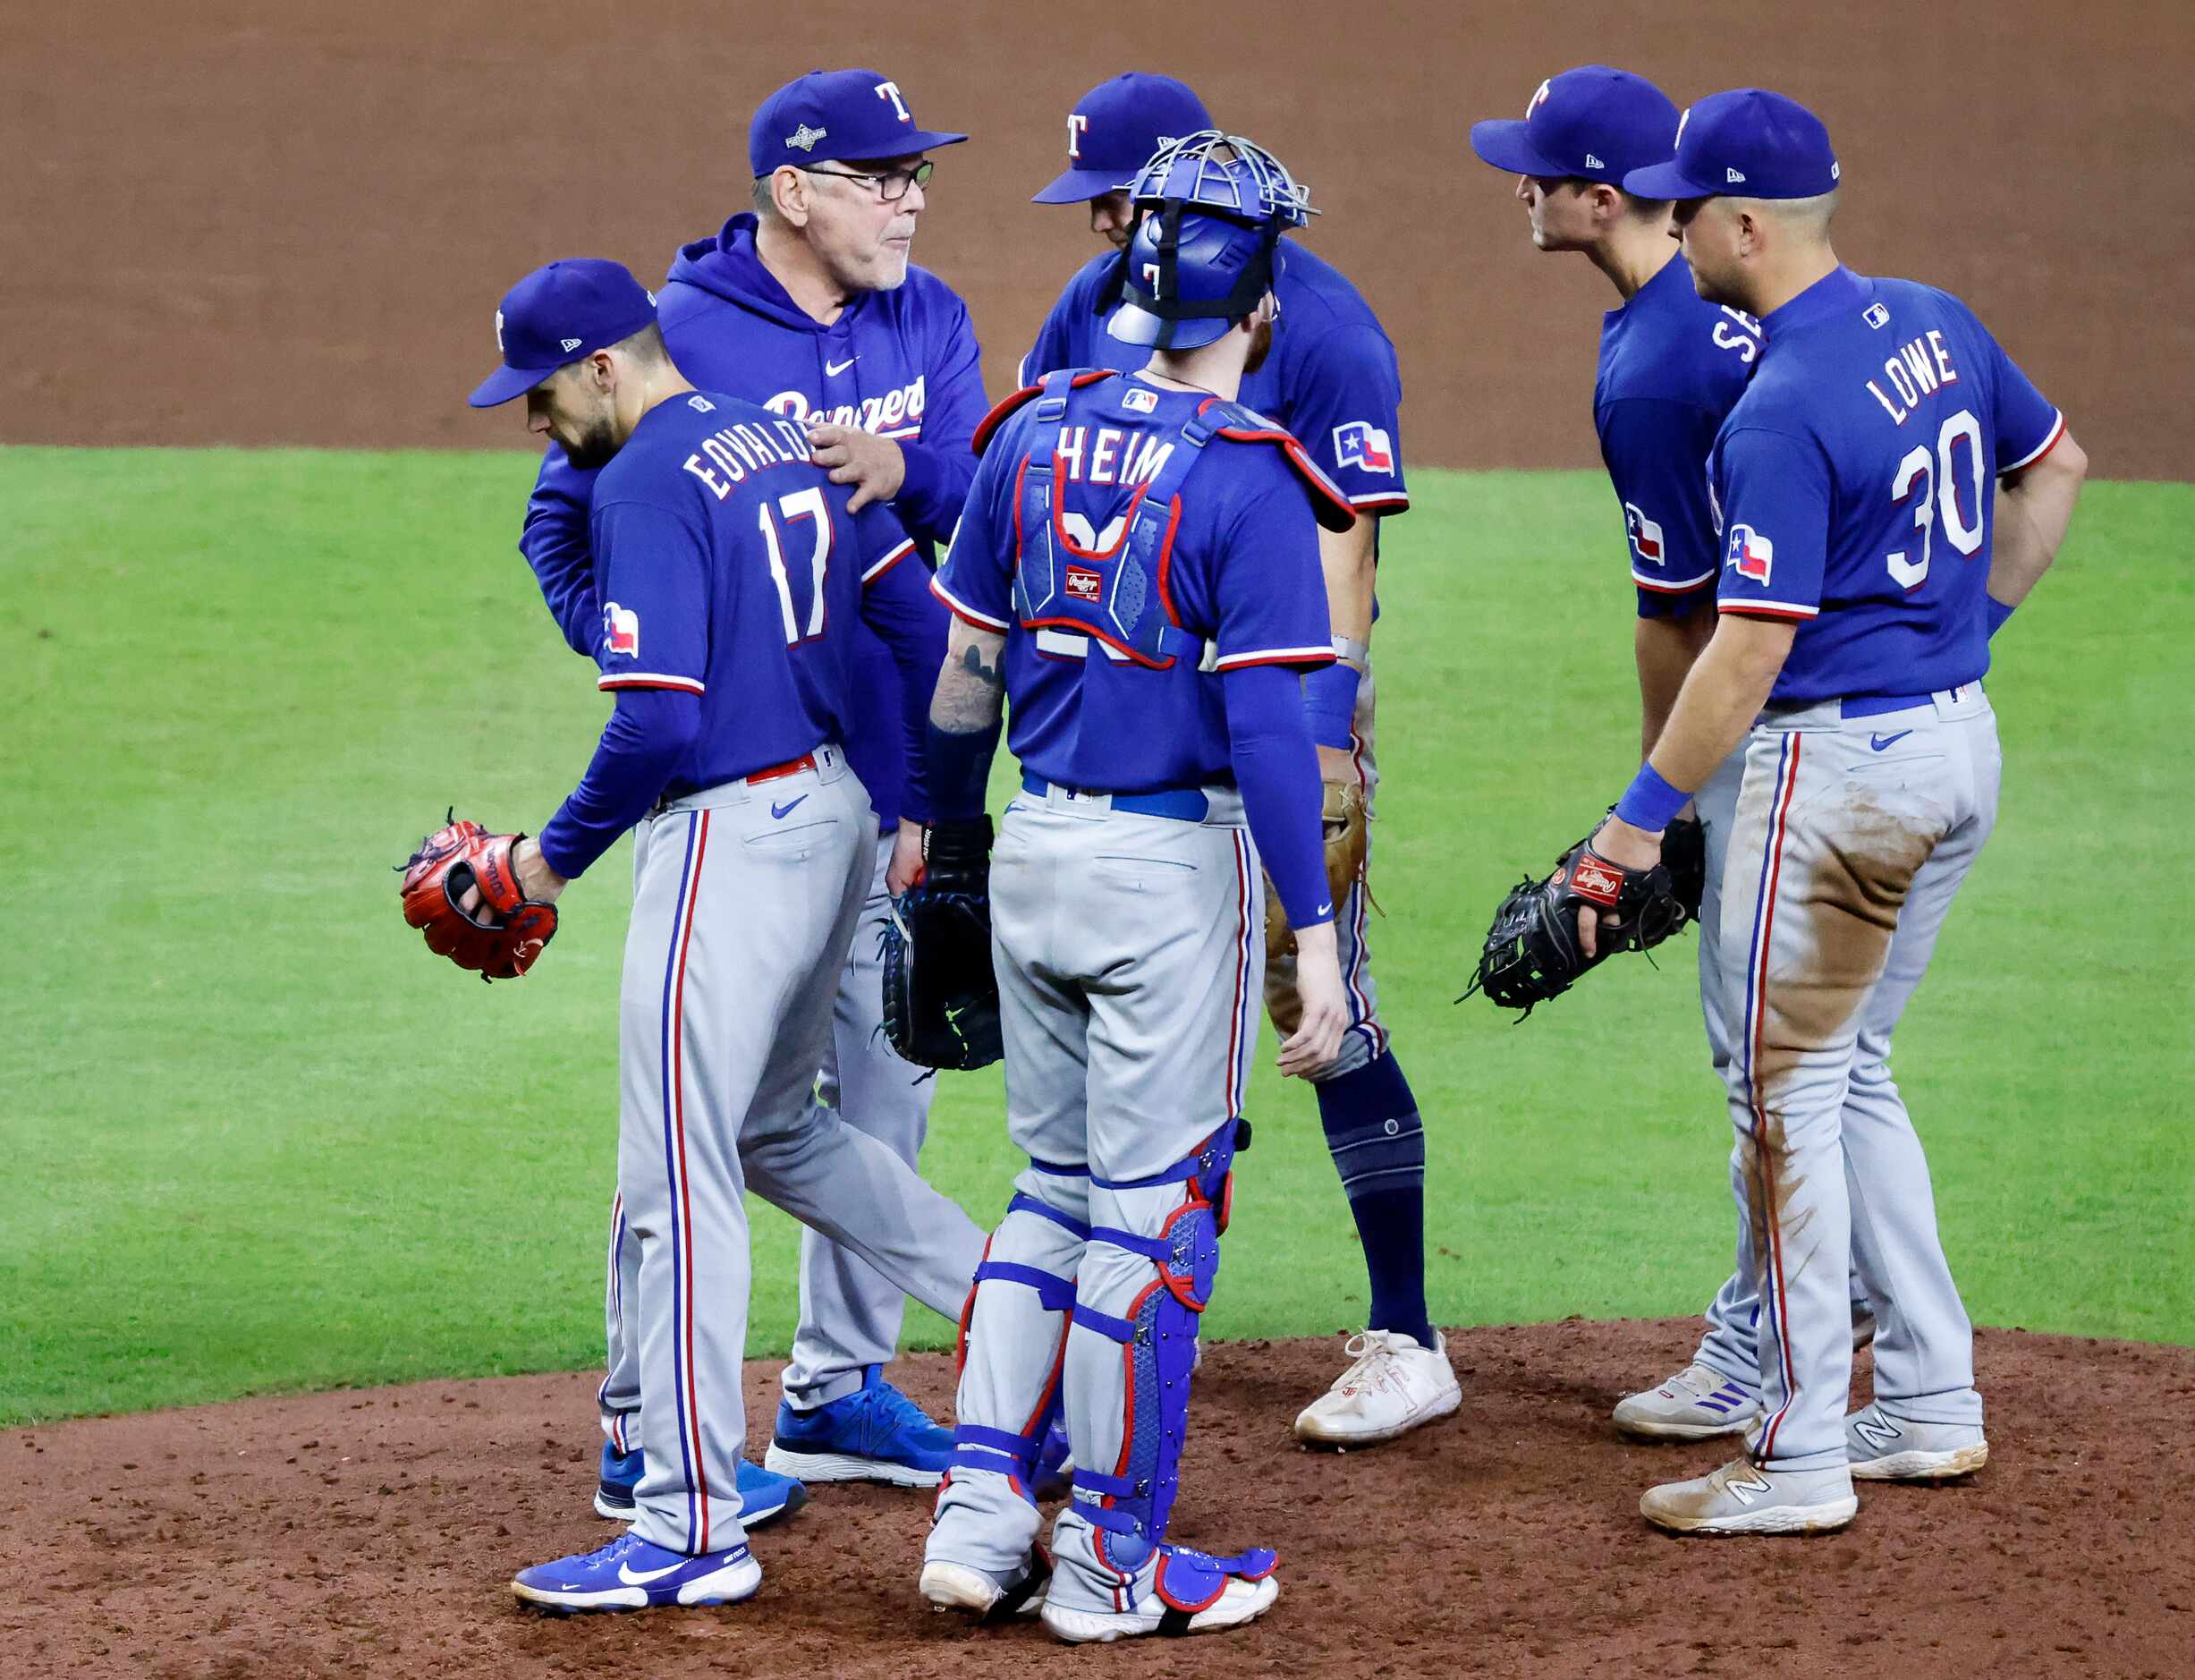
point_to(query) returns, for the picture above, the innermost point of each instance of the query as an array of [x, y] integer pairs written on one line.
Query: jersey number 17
[[801, 504]]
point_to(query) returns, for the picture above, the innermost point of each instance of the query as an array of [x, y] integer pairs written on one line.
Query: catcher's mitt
[[1344, 815], [506, 931], [1532, 952], [1684, 854], [940, 991]]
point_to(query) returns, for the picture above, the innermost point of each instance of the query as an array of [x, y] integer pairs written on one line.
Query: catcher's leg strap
[[1013, 1337], [1155, 1322]]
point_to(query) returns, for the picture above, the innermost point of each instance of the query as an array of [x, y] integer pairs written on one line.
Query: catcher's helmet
[[1206, 246]]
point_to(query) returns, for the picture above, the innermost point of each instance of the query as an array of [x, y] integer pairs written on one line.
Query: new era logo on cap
[[1731, 177]]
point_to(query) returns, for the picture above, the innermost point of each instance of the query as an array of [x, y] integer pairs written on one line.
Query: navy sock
[[1379, 1146]]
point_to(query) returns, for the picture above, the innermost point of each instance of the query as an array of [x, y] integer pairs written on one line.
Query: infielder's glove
[[1344, 815], [940, 991], [1684, 854], [460, 855], [1532, 952]]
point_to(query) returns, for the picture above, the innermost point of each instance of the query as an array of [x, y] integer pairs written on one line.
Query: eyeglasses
[[890, 185]]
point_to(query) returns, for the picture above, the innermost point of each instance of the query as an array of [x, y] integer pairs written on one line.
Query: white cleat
[[1741, 1498], [1696, 1404], [1239, 1601], [1394, 1387], [972, 1592], [1884, 1448]]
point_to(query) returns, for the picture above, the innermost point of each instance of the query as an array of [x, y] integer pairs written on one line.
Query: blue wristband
[[1998, 613], [1649, 803], [1330, 701]]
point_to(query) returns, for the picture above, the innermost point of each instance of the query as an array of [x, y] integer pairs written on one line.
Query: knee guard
[[1026, 1278], [1159, 1349]]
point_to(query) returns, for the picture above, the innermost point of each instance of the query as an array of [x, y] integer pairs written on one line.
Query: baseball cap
[[1115, 126], [557, 315], [1747, 143], [859, 113], [1592, 123]]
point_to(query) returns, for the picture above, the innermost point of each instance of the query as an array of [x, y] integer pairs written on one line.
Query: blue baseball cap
[[1592, 123], [1747, 143], [1115, 127], [557, 315], [854, 114]]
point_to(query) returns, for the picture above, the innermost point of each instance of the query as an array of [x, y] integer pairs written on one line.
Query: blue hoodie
[[902, 363]]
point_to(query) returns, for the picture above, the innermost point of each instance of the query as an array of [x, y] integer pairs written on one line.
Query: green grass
[[255, 1139]]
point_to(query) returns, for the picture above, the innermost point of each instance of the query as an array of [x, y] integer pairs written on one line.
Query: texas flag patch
[[1750, 554], [621, 629], [1646, 535], [1361, 443]]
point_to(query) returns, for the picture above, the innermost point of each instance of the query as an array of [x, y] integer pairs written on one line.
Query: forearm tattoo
[[972, 693]]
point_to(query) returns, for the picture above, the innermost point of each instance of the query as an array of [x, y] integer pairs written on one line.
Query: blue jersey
[[902, 363], [1671, 366], [1857, 476], [1331, 378], [728, 567], [1236, 571]]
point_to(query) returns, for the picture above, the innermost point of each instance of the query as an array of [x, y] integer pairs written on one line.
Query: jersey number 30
[[1930, 480], [801, 504]]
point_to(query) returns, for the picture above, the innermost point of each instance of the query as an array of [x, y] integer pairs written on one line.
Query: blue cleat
[[763, 1496], [876, 1434], [630, 1574]]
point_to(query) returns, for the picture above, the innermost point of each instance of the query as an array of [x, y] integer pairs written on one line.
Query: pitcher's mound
[[375, 1534]]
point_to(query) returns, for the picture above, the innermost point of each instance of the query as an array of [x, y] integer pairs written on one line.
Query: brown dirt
[[372, 1534], [239, 221]]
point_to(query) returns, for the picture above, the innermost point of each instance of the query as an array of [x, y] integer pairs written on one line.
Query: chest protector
[[1118, 593]]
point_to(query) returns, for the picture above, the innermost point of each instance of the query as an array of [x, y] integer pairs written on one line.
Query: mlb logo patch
[[1084, 584], [621, 629], [1139, 400], [1751, 554], [1875, 315], [1646, 535], [1361, 443]]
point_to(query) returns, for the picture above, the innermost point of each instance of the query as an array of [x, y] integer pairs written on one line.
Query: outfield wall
[[261, 223]]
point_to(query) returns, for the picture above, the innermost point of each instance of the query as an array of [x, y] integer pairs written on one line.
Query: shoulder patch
[[987, 428]]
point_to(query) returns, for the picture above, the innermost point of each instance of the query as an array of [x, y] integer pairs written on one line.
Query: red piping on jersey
[[989, 424], [1328, 505], [1743, 611]]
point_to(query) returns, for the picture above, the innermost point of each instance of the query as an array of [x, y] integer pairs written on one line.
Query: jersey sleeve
[[2028, 425], [1774, 495], [941, 467], [1344, 407], [976, 581], [1268, 594], [1656, 454], [555, 545], [880, 541], [655, 573]]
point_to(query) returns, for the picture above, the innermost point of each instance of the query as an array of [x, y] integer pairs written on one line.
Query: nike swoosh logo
[[779, 812], [633, 1577], [832, 370], [1879, 741]]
